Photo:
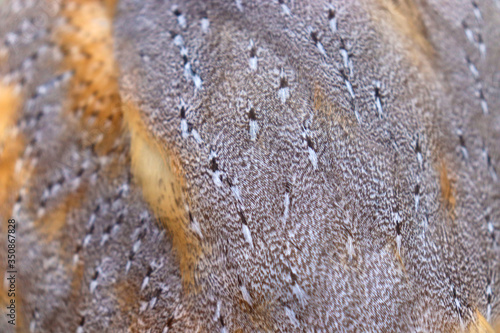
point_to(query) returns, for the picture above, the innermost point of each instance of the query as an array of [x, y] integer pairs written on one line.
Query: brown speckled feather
[[251, 166]]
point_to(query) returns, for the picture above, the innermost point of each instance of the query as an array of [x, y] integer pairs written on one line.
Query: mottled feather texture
[[252, 166]]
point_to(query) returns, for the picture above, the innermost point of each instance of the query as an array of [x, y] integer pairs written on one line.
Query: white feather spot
[[321, 48], [197, 81], [489, 293], [236, 192], [181, 20], [247, 234], [285, 9], [287, 207], [152, 302], [469, 34], [91, 221], [196, 136], [254, 130], [104, 239], [291, 315], [398, 244], [11, 38], [473, 70], [143, 307], [300, 294], [491, 228], [76, 258], [350, 247], [217, 311], [465, 152], [378, 103], [484, 106], [477, 13], [216, 178], [345, 57], [253, 63], [246, 295], [313, 157], [333, 24], [86, 240], [284, 94], [145, 282], [136, 246], [178, 40], [16, 209], [349, 88], [482, 50], [205, 25], [184, 128], [196, 227], [239, 5], [358, 117], [188, 72], [93, 286]]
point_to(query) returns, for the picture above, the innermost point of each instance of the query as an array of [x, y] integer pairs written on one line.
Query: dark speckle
[[253, 52], [283, 83], [331, 14], [252, 115], [80, 172], [314, 37], [418, 149], [213, 165], [309, 143], [462, 140], [170, 321], [242, 217]]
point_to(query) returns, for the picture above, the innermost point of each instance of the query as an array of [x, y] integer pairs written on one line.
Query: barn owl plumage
[[251, 166]]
